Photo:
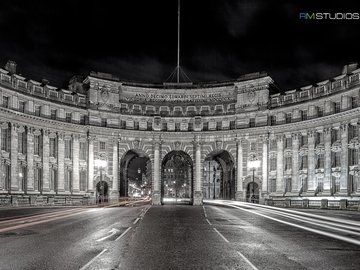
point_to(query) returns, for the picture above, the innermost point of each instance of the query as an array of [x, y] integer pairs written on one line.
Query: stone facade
[[306, 139]]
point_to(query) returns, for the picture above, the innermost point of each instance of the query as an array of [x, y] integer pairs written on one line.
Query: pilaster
[[46, 160], [295, 184], [14, 158], [115, 172], [30, 159], [311, 162], [75, 160], [239, 170], [265, 169], [91, 164], [344, 159], [280, 165], [327, 161], [156, 198], [198, 177], [61, 165]]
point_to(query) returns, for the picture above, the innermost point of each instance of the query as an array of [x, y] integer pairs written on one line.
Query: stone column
[[75, 160], [280, 165], [295, 181], [156, 198], [198, 175], [239, 170], [311, 162], [344, 159], [2, 180], [45, 165], [115, 172], [91, 164], [30, 159], [14, 158], [61, 165], [327, 161], [265, 169]]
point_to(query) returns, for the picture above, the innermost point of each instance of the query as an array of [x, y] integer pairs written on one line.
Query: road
[[219, 235]]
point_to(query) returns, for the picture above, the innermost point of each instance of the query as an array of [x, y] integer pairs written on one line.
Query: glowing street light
[[101, 164], [253, 164]]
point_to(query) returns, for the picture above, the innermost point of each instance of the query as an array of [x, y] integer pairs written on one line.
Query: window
[[253, 146], [23, 178], [52, 142], [273, 164], [82, 146], [288, 163], [37, 110], [337, 107], [320, 184], [53, 114], [335, 184], [319, 138], [82, 180], [353, 183], [288, 118], [335, 159], [272, 120], [103, 122], [320, 161], [6, 171], [353, 157], [288, 142], [288, 185], [38, 179], [68, 117], [303, 162], [304, 184], [102, 146], [5, 102], [337, 84], [68, 148], [22, 142], [252, 122], [354, 102], [37, 145], [272, 185], [22, 106], [320, 112], [304, 115], [303, 140], [5, 139], [53, 179], [335, 135], [82, 119], [353, 131], [68, 180]]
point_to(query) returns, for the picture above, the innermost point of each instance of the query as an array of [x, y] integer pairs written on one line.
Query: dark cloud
[[136, 40]]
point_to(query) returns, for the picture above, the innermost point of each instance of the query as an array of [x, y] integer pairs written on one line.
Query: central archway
[[177, 178]]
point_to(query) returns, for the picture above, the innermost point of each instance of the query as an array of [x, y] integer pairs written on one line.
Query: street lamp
[[101, 164], [253, 164]]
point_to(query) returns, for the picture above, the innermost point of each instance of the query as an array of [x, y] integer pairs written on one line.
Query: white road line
[[223, 237], [205, 212], [331, 235], [247, 261], [136, 220], [209, 222], [93, 259], [123, 234]]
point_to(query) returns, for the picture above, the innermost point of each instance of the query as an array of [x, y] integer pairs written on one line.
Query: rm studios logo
[[328, 16]]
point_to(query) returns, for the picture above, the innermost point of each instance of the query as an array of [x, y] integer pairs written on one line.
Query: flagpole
[[178, 46]]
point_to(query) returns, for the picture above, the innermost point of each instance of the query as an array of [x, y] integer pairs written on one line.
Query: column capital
[[14, 127], [311, 133], [295, 136], [280, 137], [344, 126], [91, 138], [327, 130]]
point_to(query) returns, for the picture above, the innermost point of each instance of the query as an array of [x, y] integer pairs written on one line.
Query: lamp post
[[101, 164], [253, 164]]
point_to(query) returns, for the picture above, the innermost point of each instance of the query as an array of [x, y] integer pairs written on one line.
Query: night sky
[[137, 40]]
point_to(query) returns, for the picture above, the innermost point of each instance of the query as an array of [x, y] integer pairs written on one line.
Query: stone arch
[[252, 188], [177, 177], [219, 179], [126, 172]]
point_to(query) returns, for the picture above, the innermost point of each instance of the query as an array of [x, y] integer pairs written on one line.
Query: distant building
[[306, 139]]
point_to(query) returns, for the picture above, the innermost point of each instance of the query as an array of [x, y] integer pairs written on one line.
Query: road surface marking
[[247, 261], [209, 222], [112, 232], [205, 212], [331, 235], [223, 237], [93, 259], [123, 234], [136, 220]]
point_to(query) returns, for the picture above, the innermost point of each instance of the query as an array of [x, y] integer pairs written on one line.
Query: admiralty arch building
[[246, 139]]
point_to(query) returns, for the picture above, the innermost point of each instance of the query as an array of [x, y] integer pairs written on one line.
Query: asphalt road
[[224, 235]]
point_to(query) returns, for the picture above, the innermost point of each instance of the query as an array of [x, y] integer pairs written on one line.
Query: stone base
[[239, 196], [198, 198], [114, 196], [156, 198]]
